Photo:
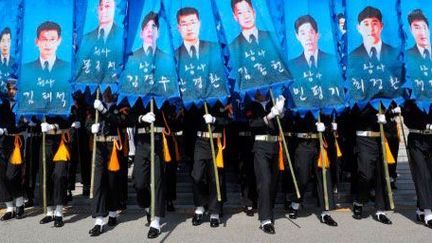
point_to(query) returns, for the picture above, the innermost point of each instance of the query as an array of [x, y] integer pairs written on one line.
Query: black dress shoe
[[420, 217], [214, 223], [96, 230], [170, 206], [7, 216], [428, 223], [46, 219], [268, 228], [249, 212], [153, 233], [112, 221], [328, 220], [19, 212], [292, 213], [383, 219], [357, 211], [197, 219], [58, 222]]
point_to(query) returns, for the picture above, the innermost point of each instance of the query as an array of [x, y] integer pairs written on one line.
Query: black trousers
[[80, 156], [106, 194], [420, 152], [266, 172], [56, 173], [141, 173], [286, 179], [306, 167], [171, 169], [247, 172], [32, 160], [203, 177], [393, 142], [370, 172]]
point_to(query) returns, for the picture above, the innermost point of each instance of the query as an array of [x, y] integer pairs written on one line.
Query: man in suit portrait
[[7, 63], [373, 49], [198, 60], [149, 62], [101, 51], [312, 57], [254, 54], [419, 26], [48, 65]]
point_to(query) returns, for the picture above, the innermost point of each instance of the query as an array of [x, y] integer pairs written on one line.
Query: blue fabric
[[99, 59], [150, 69], [46, 90], [374, 80], [313, 61], [257, 63], [10, 20], [201, 70], [418, 65]]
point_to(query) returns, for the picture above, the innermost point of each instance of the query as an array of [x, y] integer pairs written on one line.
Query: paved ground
[[236, 227]]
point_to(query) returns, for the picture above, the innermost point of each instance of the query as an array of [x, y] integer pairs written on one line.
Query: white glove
[[148, 118], [381, 119], [280, 103], [320, 126], [76, 124], [46, 127], [334, 126], [396, 110], [99, 106], [428, 126], [2, 131], [273, 113], [95, 128], [209, 119]]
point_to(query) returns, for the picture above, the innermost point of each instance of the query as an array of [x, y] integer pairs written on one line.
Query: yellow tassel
[[113, 164], [338, 151], [389, 156], [62, 153], [177, 150], [219, 156], [15, 157], [166, 152], [323, 156], [280, 157]]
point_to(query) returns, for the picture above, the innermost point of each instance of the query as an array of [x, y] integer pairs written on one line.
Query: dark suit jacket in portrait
[[60, 71], [419, 70], [150, 68], [6, 71], [254, 58], [105, 56], [299, 65], [388, 56], [192, 71]]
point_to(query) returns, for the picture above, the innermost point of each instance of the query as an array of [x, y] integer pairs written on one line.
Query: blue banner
[[150, 70], [100, 43], [198, 51], [44, 83], [10, 24], [311, 51], [374, 68], [255, 59], [416, 15], [338, 12]]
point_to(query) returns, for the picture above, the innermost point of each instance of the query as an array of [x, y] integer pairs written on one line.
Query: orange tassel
[[281, 158], [113, 164], [389, 156], [177, 150], [15, 157], [166, 152], [338, 151], [62, 153], [219, 156], [323, 157]]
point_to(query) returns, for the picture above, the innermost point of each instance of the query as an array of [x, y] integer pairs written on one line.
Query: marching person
[[262, 116], [419, 124], [307, 154], [203, 175], [11, 162], [109, 135], [370, 171]]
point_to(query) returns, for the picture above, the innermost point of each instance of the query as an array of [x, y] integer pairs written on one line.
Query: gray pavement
[[235, 227]]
